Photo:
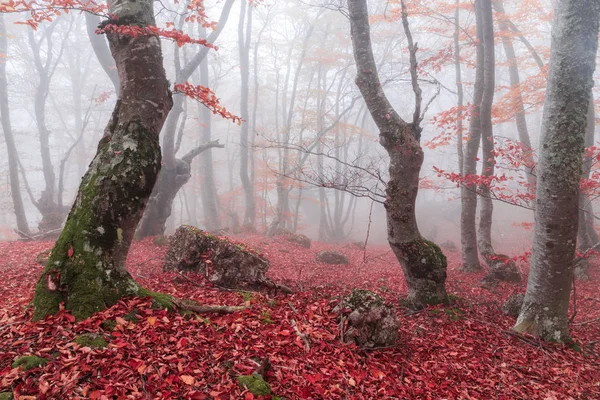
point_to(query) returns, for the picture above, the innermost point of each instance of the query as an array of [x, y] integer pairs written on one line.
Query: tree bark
[[244, 35], [515, 84], [487, 135], [470, 255], [422, 261], [86, 269], [11, 147], [570, 80], [459, 89]]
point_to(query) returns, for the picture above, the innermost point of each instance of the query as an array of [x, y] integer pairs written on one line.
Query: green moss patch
[[160, 300], [6, 396], [255, 384], [29, 362], [92, 340]]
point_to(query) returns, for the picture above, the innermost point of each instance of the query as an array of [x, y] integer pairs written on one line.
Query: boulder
[[371, 323], [502, 269], [512, 305], [299, 239], [224, 263], [331, 257]]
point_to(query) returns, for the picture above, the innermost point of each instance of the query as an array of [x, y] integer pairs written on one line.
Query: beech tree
[[570, 80], [422, 261], [13, 155], [86, 269]]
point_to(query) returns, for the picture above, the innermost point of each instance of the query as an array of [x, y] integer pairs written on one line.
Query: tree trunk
[[244, 34], [487, 135], [515, 84], [470, 255], [11, 147], [86, 269], [208, 189], [570, 80], [422, 261], [459, 89]]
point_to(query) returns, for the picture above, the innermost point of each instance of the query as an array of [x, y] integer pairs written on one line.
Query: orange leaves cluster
[[207, 97]]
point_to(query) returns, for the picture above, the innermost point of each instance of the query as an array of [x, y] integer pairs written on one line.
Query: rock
[[512, 305], [222, 262], [331, 257], [359, 245], [371, 322], [160, 241], [299, 239], [502, 269]]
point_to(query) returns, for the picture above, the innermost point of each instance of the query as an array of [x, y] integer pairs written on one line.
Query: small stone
[[299, 239]]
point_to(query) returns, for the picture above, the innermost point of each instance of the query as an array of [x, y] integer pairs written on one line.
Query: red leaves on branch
[[207, 97], [172, 34]]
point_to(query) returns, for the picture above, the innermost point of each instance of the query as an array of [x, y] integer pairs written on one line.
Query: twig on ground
[[191, 305], [300, 335]]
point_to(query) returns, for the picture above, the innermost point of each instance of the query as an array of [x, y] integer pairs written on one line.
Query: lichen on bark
[[86, 269]]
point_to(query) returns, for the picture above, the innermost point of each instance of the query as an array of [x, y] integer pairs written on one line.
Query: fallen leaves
[[200, 356]]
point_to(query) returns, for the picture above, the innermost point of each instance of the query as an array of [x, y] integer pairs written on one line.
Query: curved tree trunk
[[423, 262], [570, 80], [470, 255], [86, 269], [11, 147]]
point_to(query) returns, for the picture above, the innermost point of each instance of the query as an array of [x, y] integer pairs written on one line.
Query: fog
[[308, 128]]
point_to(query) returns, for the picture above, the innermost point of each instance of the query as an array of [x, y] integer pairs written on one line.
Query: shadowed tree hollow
[[422, 261], [86, 269]]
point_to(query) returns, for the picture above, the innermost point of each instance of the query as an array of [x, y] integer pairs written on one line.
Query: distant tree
[[570, 80], [423, 262], [86, 269], [13, 155]]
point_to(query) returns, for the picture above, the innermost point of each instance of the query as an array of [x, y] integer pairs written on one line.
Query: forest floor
[[463, 352]]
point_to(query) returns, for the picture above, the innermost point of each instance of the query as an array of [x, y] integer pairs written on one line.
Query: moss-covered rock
[[91, 340], [371, 322], [29, 362], [224, 263], [159, 300], [299, 239], [255, 384], [6, 396]]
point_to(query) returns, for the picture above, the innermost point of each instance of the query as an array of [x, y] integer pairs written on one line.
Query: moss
[[109, 325], [454, 299], [265, 317], [575, 347], [86, 267], [454, 314], [160, 300], [247, 296], [91, 340], [6, 396], [360, 297], [255, 384], [131, 316], [29, 362]]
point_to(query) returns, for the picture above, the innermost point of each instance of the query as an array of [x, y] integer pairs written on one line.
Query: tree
[[470, 255], [422, 261], [13, 156], [570, 80], [86, 269], [177, 171]]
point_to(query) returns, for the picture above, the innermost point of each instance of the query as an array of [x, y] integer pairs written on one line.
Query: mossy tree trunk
[[423, 262], [86, 269], [570, 80]]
